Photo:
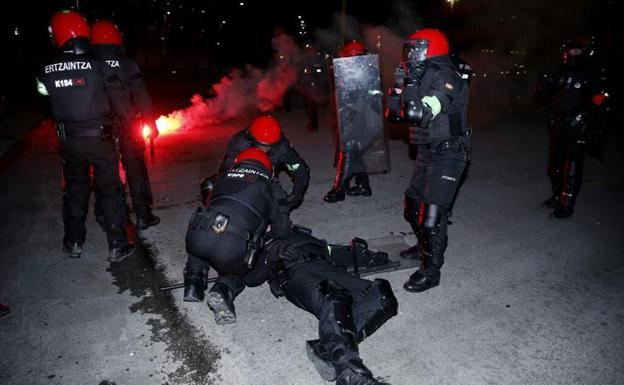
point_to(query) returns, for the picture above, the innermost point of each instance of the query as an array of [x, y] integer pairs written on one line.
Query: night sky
[[210, 36]]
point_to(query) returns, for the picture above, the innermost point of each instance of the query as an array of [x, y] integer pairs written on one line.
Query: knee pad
[[387, 305], [340, 301], [431, 221], [411, 209]]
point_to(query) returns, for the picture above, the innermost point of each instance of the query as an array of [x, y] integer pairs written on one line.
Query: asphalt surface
[[523, 299]]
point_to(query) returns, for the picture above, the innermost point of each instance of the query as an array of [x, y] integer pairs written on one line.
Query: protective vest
[[440, 79], [76, 87]]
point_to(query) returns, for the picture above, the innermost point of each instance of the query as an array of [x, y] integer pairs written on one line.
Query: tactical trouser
[[133, 160], [437, 174], [78, 154], [566, 156], [350, 164], [349, 309]]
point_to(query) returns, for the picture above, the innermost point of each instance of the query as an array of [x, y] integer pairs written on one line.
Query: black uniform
[[80, 105], [349, 308], [312, 86], [570, 91], [284, 158], [131, 104], [228, 231], [442, 139]]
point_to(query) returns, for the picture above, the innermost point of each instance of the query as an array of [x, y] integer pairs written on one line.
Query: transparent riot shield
[[359, 114]]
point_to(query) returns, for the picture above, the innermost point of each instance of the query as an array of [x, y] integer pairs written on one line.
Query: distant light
[[222, 21], [168, 12], [16, 32], [203, 11], [241, 4], [218, 43], [162, 38], [298, 17]]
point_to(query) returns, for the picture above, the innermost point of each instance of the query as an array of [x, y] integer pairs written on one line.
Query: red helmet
[[437, 42], [265, 130], [352, 48], [66, 25], [105, 32], [255, 155]]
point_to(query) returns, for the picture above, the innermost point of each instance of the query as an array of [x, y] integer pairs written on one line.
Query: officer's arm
[[298, 171], [138, 90], [41, 88], [445, 87], [235, 145]]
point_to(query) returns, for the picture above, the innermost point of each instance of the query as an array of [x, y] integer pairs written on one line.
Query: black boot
[[220, 301], [419, 282], [195, 284], [349, 376], [117, 254], [570, 188], [411, 214], [362, 186], [147, 221], [335, 195], [74, 249], [554, 175], [433, 233]]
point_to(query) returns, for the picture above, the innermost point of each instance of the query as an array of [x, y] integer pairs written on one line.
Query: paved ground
[[523, 299]]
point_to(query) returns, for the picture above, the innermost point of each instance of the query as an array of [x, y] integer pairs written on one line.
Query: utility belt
[[65, 130], [455, 143], [219, 224]]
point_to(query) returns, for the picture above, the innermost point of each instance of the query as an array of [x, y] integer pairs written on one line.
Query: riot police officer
[[433, 98], [349, 156], [312, 85], [265, 132], [75, 82], [577, 95], [227, 232], [133, 107], [349, 309]]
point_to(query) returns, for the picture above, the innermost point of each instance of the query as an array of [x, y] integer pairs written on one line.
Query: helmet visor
[[414, 51]]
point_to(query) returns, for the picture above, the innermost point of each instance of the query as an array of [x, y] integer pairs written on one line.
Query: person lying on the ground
[[227, 232], [349, 308]]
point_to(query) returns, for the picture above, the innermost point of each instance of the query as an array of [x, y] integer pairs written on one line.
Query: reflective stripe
[[433, 103], [42, 89], [292, 167]]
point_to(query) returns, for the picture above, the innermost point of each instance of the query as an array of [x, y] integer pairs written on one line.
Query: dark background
[[192, 42]]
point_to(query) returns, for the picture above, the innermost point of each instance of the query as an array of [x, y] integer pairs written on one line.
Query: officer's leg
[[372, 307], [76, 196], [343, 177], [362, 185], [556, 149], [442, 178], [133, 160], [412, 205], [106, 172], [195, 278], [221, 297], [572, 173], [335, 354]]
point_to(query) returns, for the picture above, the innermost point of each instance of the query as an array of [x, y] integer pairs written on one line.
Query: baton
[[176, 286]]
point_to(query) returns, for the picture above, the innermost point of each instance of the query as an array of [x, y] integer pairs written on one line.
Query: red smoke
[[241, 92]]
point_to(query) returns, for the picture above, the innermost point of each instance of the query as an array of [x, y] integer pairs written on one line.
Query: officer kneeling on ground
[[227, 232], [349, 308]]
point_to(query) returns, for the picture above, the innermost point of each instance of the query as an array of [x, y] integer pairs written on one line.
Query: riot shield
[[359, 114]]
